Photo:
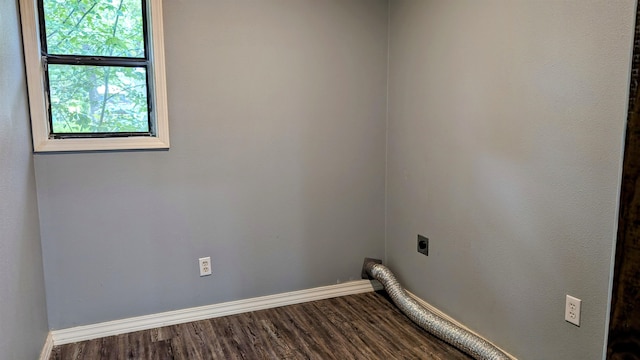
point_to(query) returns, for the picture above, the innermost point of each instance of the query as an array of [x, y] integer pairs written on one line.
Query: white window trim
[[42, 142]]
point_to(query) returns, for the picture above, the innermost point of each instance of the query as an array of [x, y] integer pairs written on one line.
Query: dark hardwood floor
[[364, 326]]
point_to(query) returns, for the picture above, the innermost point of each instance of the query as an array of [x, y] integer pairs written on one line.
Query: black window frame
[[105, 61]]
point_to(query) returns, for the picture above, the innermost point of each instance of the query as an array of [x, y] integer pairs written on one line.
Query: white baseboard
[[45, 354], [437, 311], [94, 331]]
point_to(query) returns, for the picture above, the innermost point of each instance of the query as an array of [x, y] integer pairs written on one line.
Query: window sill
[[101, 144]]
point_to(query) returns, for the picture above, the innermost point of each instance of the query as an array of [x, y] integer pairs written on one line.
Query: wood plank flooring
[[363, 326]]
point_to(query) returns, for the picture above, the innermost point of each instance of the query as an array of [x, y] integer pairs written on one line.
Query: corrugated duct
[[477, 347]]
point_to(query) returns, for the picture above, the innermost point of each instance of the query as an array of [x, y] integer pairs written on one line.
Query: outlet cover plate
[[572, 309], [205, 266]]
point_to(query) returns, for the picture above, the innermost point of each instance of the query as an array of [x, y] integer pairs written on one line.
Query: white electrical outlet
[[205, 266], [572, 310]]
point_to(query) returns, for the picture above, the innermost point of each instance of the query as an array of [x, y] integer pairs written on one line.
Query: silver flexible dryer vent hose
[[443, 329]]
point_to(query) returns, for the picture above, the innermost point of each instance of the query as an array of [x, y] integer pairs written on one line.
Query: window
[[95, 74]]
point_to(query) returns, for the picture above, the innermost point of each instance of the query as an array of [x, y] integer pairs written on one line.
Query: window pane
[[98, 99], [94, 27]]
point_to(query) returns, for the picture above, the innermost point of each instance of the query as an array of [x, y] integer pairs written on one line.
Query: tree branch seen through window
[[97, 66]]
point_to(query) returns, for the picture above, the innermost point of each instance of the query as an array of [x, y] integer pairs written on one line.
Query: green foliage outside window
[[89, 98]]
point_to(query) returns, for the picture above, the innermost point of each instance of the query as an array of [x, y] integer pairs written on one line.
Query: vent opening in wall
[[423, 245]]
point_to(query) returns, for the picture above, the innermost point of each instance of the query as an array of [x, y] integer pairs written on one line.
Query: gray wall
[[23, 317], [505, 132], [506, 123], [276, 170]]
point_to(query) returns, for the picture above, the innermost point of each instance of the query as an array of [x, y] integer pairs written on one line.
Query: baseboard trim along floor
[[95, 331], [437, 311], [116, 327], [45, 354]]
